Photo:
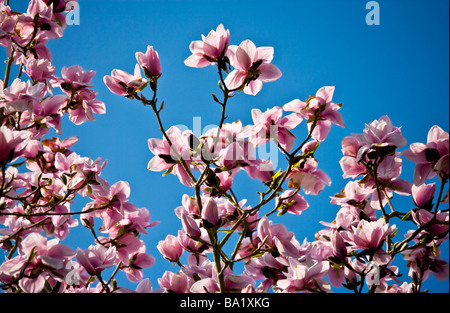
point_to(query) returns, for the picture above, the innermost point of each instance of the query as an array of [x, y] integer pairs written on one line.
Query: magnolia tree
[[228, 244]]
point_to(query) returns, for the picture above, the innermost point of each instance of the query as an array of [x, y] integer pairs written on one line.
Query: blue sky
[[399, 68]]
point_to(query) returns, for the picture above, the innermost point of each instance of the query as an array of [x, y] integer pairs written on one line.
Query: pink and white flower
[[252, 67], [210, 49], [431, 158], [319, 108]]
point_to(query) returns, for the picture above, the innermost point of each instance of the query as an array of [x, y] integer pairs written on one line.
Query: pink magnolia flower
[[252, 67], [61, 224], [115, 214], [74, 83], [131, 252], [206, 285], [423, 216], [50, 261], [50, 26], [166, 156], [307, 175], [354, 194], [47, 114], [381, 131], [349, 165], [321, 108], [135, 219], [423, 195], [176, 283], [189, 244], [210, 212], [190, 226], [74, 78], [379, 138], [271, 125], [10, 269], [170, 248], [430, 158], [277, 236], [81, 170], [338, 245], [40, 70], [233, 156], [149, 62], [301, 277], [124, 84], [371, 235], [295, 203], [21, 96], [11, 143], [137, 264], [96, 259], [210, 49], [7, 24]]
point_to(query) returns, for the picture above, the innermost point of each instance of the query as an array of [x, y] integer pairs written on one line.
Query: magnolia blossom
[[294, 202], [124, 84], [75, 83], [307, 176], [319, 108], [351, 168], [149, 62], [252, 67], [271, 125], [371, 235], [96, 258], [168, 156], [50, 261], [431, 158], [423, 195], [10, 144], [170, 248], [301, 277], [210, 49], [177, 283], [40, 70], [210, 212], [277, 236], [21, 96], [378, 138]]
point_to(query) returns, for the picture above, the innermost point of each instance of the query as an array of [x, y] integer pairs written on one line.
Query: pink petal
[[253, 87], [246, 54], [294, 106], [291, 121], [265, 54], [325, 94], [196, 60], [269, 72], [235, 79]]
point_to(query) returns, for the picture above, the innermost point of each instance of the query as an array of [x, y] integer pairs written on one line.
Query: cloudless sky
[[399, 68]]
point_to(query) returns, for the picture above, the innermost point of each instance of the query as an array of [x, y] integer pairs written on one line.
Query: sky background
[[399, 68]]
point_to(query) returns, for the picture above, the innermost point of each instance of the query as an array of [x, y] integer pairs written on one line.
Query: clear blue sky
[[399, 68]]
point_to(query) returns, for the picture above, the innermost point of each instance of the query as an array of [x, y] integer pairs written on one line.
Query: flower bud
[[423, 196], [210, 212], [149, 62], [190, 227], [170, 248], [338, 245]]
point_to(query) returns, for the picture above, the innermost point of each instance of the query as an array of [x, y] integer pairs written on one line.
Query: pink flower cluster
[[252, 65], [359, 250], [359, 238], [41, 177], [356, 251]]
